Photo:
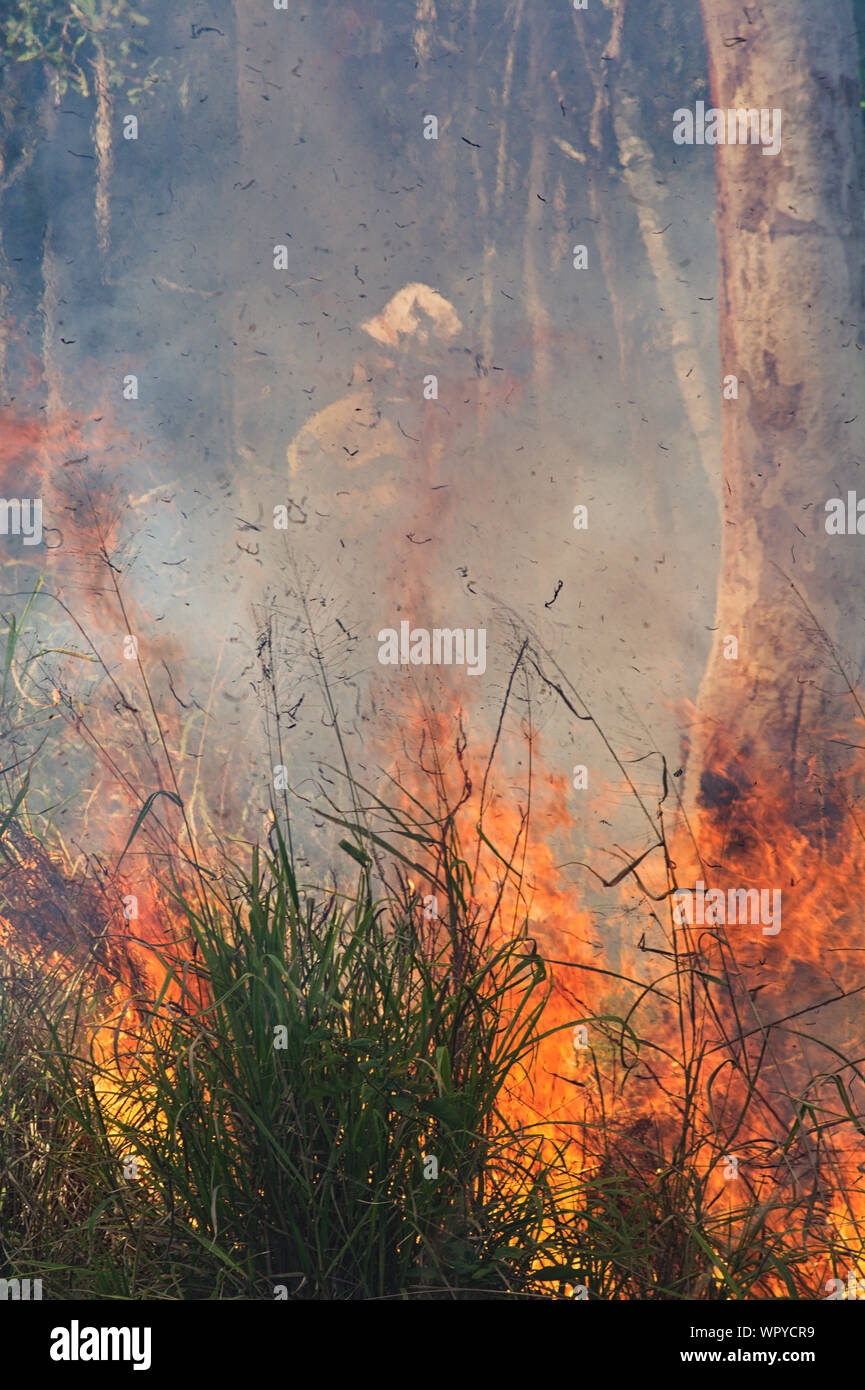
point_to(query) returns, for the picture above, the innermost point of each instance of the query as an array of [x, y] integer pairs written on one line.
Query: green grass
[[285, 1072], [286, 1093]]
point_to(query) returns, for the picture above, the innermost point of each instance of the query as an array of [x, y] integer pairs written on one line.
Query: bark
[[790, 233], [104, 152]]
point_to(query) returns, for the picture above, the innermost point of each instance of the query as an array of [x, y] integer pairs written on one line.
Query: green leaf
[[22, 792], [356, 854], [141, 815]]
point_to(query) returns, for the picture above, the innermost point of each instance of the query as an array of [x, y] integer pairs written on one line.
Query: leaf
[[356, 854], [446, 1110], [443, 1068], [845, 1101], [142, 813], [22, 792]]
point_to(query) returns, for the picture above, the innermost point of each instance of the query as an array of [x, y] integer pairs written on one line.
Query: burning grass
[[422, 1084], [268, 1131], [283, 1129]]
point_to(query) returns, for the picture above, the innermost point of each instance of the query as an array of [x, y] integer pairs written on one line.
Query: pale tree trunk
[[790, 233], [18, 92], [50, 302], [104, 153], [634, 203]]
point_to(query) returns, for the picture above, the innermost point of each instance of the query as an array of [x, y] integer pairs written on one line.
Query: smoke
[[305, 393]]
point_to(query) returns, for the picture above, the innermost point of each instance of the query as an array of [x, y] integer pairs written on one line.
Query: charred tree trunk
[[791, 246]]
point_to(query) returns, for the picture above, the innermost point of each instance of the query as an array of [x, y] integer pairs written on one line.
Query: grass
[[315, 1117], [298, 1092], [284, 1095]]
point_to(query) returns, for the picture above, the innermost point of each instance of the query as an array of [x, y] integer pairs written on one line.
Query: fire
[[792, 996], [683, 1049], [727, 1048], [83, 720]]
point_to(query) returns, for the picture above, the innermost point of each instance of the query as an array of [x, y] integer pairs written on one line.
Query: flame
[[746, 1044], [745, 1041]]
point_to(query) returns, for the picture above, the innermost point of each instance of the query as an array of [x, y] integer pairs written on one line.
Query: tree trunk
[[790, 233]]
